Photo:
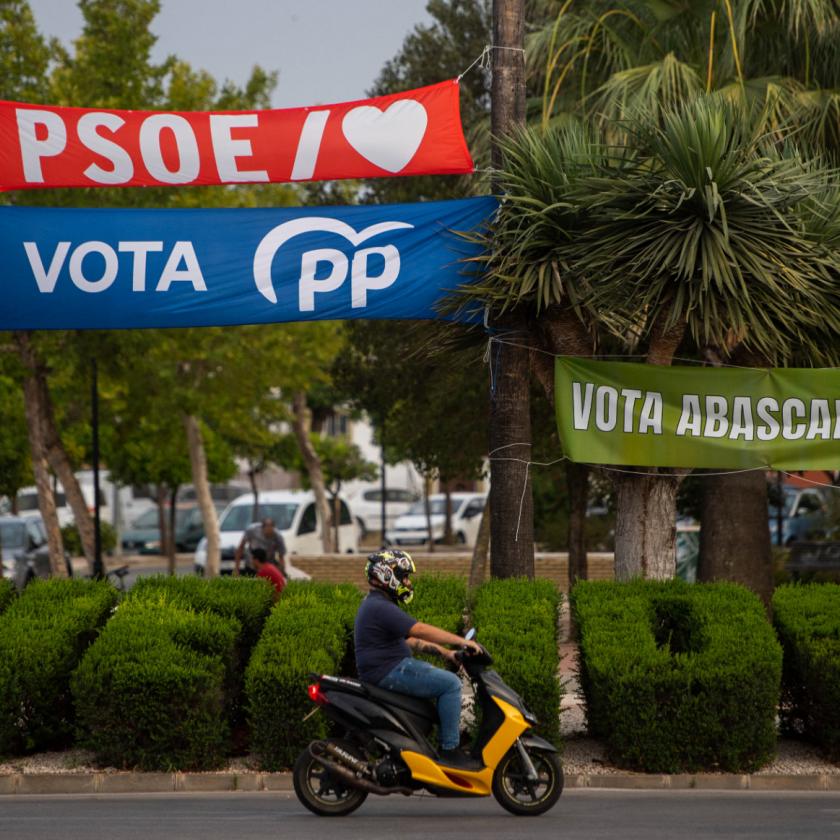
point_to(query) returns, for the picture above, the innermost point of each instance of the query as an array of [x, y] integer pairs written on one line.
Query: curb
[[125, 783], [98, 783]]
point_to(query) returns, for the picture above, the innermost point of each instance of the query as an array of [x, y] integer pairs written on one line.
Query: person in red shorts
[[269, 571]]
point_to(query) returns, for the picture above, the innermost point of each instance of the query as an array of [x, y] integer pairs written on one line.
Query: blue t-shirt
[[380, 633]]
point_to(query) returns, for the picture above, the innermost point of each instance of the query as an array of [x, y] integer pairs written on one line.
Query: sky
[[324, 50]]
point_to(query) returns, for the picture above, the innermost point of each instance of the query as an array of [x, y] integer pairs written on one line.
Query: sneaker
[[458, 759]]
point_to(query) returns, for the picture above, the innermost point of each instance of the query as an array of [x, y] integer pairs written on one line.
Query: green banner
[[727, 418]]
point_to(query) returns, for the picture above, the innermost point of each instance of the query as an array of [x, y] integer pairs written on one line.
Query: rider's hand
[[471, 646], [452, 660]]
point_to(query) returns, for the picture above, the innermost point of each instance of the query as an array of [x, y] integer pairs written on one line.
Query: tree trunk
[[447, 515], [198, 462], [54, 449], [252, 480], [511, 500], [171, 548], [427, 486], [336, 519], [734, 532], [478, 564], [302, 423], [734, 536], [646, 526], [163, 523], [577, 480], [46, 498]]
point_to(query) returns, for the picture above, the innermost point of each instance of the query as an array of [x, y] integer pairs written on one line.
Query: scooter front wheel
[[522, 796], [320, 791]]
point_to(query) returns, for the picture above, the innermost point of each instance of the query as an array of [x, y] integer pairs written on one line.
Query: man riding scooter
[[385, 637]]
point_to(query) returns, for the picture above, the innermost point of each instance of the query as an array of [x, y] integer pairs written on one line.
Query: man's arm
[[238, 556], [419, 646], [430, 633]]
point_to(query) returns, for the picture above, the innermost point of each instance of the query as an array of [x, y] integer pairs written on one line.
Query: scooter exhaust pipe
[[348, 776]]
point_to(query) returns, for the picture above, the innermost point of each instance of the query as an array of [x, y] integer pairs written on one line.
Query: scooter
[[386, 749]]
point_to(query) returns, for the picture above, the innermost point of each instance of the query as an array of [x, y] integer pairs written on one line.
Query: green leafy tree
[[15, 461]]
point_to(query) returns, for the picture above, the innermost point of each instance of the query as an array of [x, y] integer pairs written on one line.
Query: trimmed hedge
[[516, 620], [153, 691], [247, 600], [7, 593], [678, 677], [43, 634], [807, 619], [309, 631]]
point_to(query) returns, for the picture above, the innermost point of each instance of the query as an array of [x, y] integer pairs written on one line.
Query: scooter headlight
[[530, 718]]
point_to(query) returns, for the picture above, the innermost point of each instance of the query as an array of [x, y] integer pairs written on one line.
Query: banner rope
[[484, 58], [528, 463], [604, 356]]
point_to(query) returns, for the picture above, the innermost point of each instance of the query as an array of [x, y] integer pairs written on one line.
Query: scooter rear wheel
[[521, 796], [320, 791]]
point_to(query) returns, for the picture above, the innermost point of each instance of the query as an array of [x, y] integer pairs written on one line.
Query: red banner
[[417, 132]]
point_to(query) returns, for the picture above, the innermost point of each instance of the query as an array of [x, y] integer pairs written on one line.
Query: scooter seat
[[415, 705]]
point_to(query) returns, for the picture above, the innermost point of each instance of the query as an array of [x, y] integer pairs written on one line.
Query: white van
[[132, 502], [27, 505], [295, 517]]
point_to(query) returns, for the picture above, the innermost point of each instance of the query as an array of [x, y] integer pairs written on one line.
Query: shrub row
[[516, 620], [309, 631], [807, 619], [7, 593], [678, 677], [153, 691], [42, 637]]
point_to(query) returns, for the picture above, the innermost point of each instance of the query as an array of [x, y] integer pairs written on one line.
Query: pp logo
[[361, 282]]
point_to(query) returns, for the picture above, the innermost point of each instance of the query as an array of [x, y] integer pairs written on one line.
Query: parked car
[[295, 516], [27, 505], [23, 546], [412, 529], [804, 516], [366, 506], [144, 535]]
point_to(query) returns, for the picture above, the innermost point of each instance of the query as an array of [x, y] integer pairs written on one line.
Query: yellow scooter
[[386, 749]]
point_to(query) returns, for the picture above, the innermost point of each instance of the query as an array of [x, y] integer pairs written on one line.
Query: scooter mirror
[[470, 634]]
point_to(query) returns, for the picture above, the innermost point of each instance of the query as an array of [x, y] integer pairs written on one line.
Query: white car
[[295, 517], [412, 529], [367, 507]]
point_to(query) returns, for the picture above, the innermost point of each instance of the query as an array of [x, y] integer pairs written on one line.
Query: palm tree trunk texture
[[53, 447], [577, 480], [478, 563], [302, 424], [46, 499], [645, 526], [198, 462], [735, 537], [511, 500]]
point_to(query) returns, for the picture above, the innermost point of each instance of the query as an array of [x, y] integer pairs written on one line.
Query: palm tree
[[693, 228], [778, 61]]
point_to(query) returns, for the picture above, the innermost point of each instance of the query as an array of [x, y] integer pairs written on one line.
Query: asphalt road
[[580, 815]]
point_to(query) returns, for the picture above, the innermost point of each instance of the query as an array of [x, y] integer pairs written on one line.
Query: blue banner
[[114, 269]]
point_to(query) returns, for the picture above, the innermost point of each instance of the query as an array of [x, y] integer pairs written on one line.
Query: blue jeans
[[420, 679]]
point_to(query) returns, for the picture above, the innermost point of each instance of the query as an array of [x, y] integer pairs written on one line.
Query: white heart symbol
[[389, 138]]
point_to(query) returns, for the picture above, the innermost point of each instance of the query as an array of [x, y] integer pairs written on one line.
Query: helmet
[[388, 570]]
